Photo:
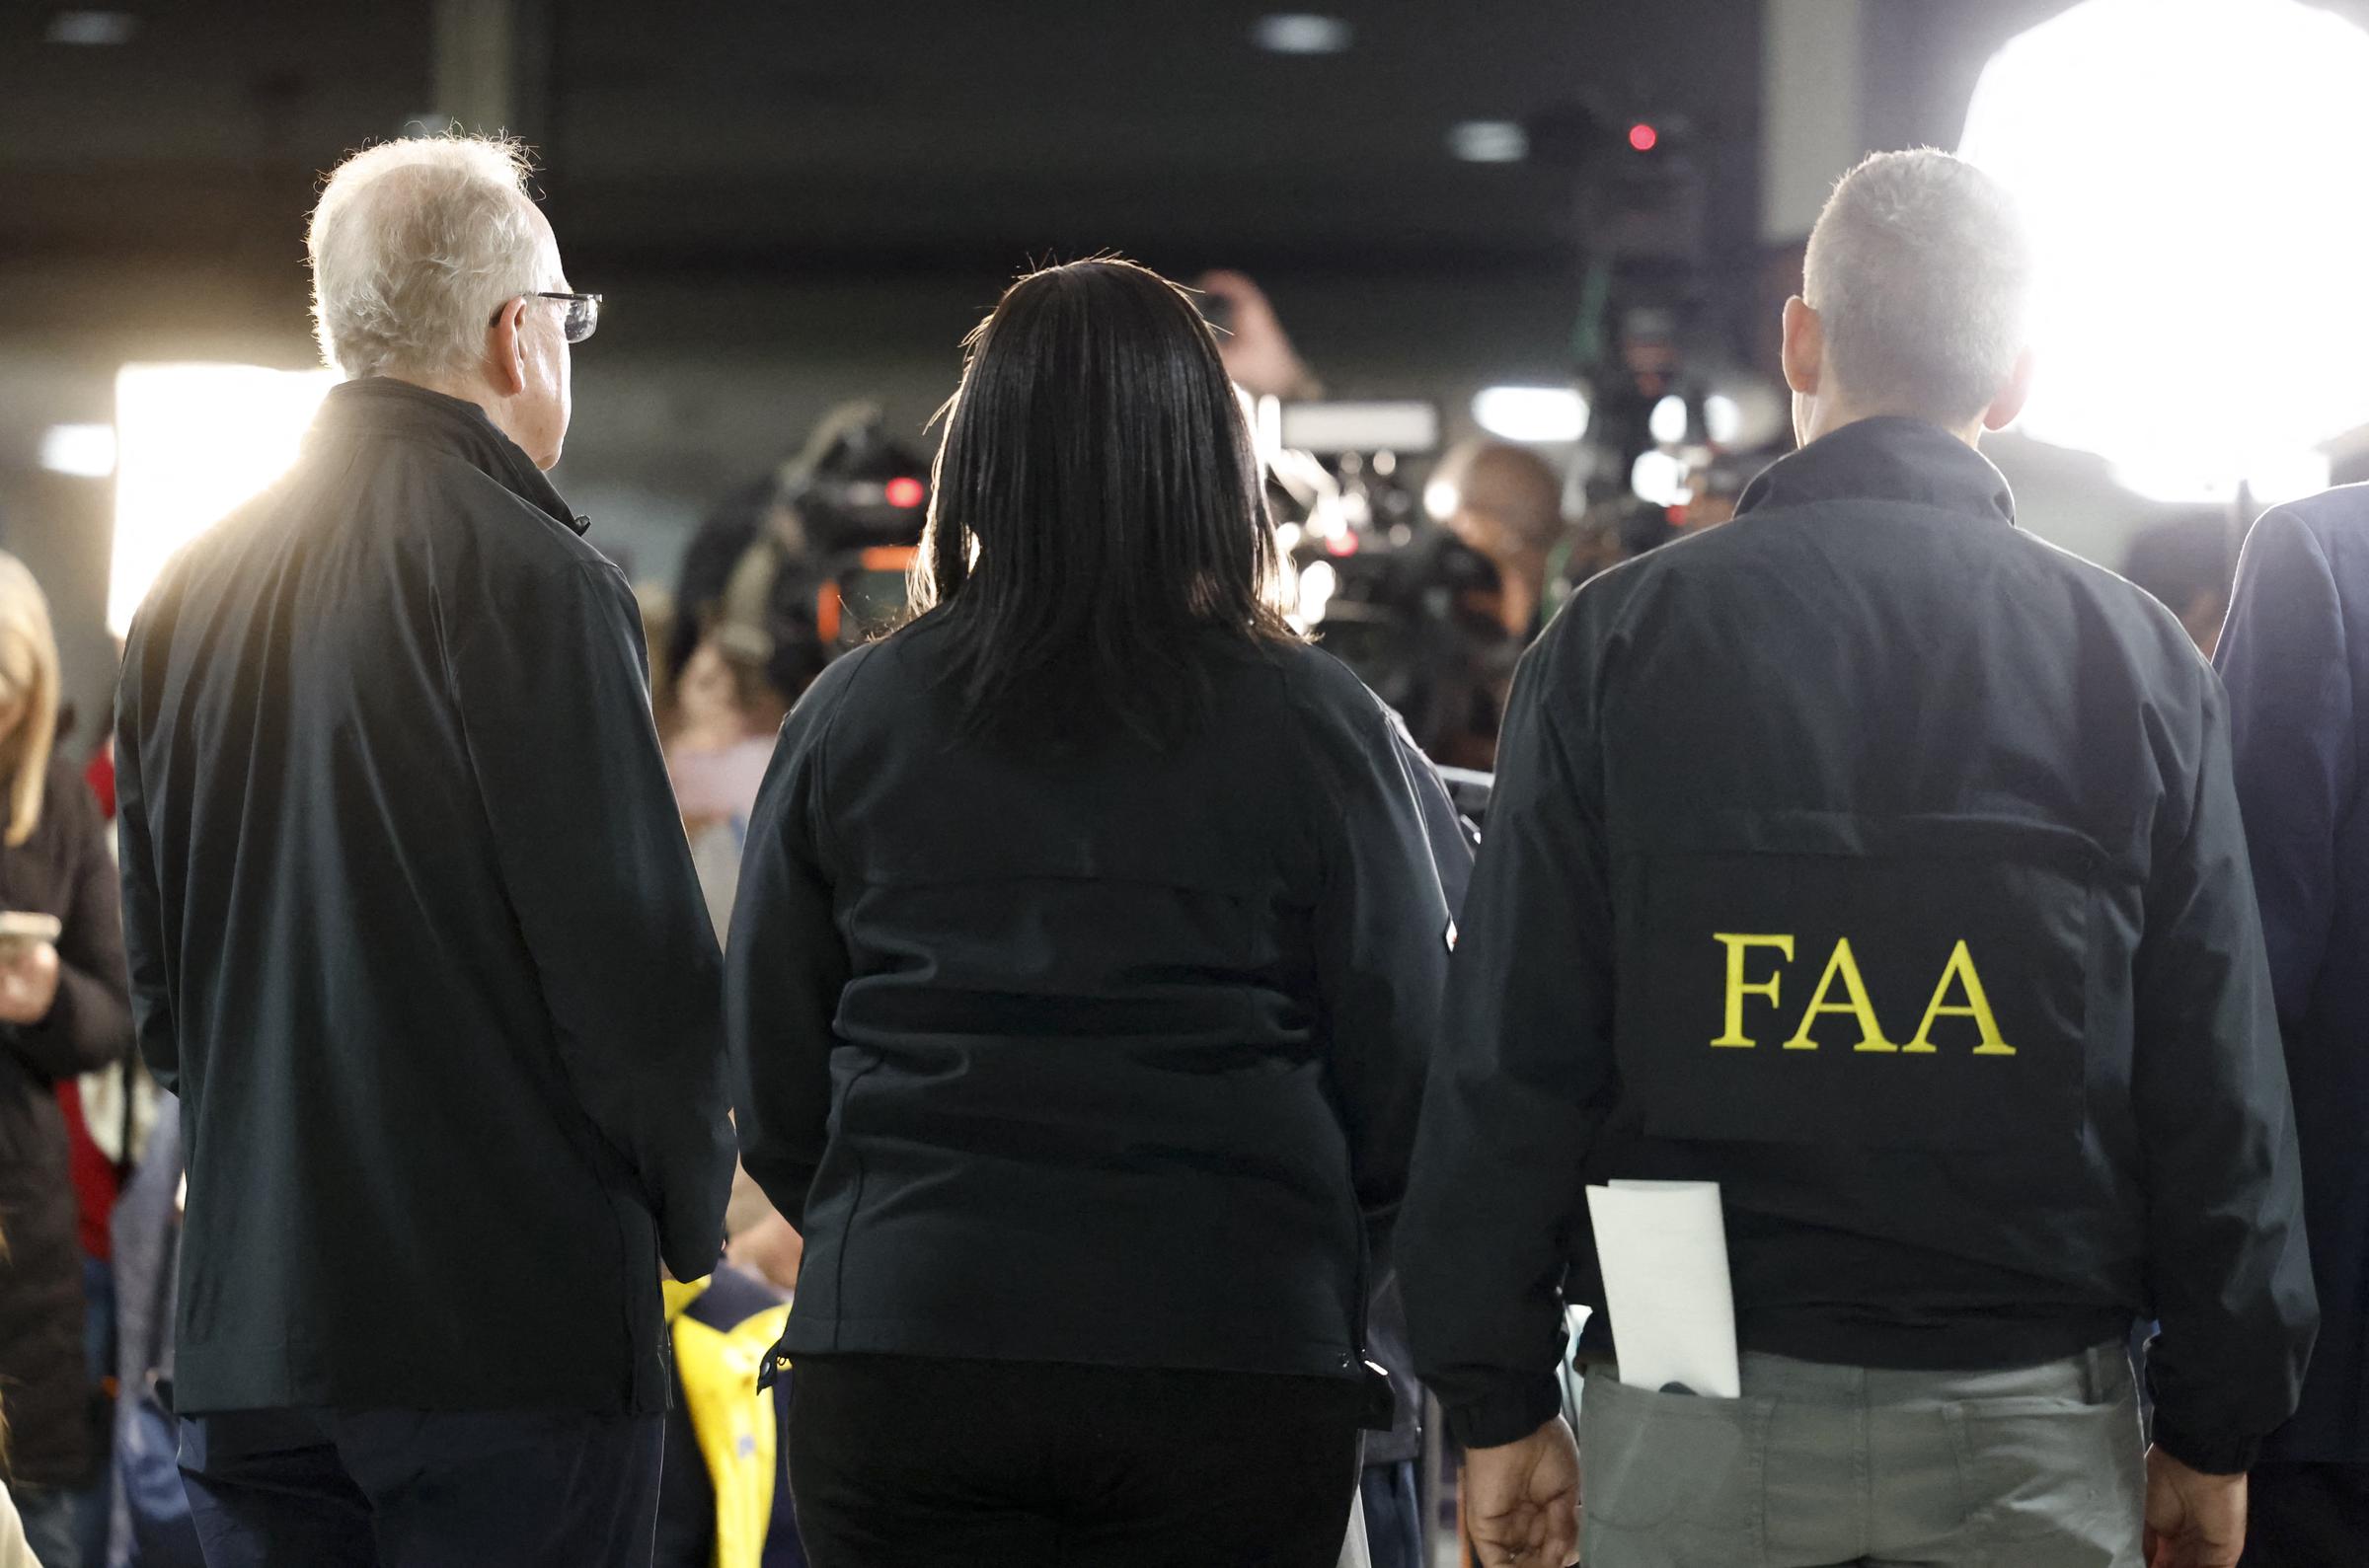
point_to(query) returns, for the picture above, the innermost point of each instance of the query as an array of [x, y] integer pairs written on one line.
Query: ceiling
[[752, 140]]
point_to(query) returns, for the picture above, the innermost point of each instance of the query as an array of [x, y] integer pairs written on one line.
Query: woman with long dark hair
[[1089, 947]]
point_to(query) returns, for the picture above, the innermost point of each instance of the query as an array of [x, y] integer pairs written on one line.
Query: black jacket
[[414, 933], [1093, 1055], [62, 869], [1881, 863], [2296, 657]]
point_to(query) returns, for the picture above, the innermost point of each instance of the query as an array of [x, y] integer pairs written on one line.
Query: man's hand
[[1256, 351], [771, 1247], [2194, 1520], [28, 983], [1522, 1500]]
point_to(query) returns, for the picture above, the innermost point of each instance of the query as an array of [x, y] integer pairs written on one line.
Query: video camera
[[812, 560], [860, 503], [1402, 601]]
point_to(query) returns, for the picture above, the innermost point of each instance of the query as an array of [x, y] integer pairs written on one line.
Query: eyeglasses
[[581, 320]]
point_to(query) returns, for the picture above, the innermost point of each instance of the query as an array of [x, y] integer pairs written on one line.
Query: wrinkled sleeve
[[1382, 927], [1518, 1092], [786, 963], [2228, 1268], [2293, 744], [144, 941], [552, 687]]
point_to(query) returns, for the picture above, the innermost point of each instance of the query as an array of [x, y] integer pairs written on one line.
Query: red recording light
[[1643, 136], [906, 491], [1341, 545]]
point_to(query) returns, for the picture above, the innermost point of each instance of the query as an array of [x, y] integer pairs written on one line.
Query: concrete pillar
[[1813, 115], [477, 64]]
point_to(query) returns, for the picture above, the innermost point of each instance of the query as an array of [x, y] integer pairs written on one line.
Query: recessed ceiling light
[[1489, 141], [1300, 33], [92, 28]]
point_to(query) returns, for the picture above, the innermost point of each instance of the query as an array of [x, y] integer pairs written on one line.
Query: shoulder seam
[[818, 799]]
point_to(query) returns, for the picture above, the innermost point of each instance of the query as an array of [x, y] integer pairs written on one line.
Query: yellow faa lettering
[[1739, 988], [1958, 977]]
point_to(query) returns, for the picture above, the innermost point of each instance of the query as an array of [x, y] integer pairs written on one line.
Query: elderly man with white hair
[[415, 935], [1881, 864]]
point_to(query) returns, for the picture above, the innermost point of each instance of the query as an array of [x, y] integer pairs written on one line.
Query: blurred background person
[[63, 1010], [726, 713], [1507, 502], [2296, 662], [400, 854], [724, 1497], [1256, 351], [15, 1550], [1110, 909], [149, 1523]]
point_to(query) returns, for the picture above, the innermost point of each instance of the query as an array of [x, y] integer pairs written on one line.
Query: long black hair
[[1097, 513]]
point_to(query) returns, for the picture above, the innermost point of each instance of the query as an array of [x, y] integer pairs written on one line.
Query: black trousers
[[2305, 1516], [915, 1463], [421, 1489]]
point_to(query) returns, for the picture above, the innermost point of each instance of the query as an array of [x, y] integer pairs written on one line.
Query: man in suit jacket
[[2296, 660]]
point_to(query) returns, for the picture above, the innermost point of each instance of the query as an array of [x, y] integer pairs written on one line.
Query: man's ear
[[1805, 347], [2006, 406], [505, 349]]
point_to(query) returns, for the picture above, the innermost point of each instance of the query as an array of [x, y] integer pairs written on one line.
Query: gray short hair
[[1921, 274], [414, 244]]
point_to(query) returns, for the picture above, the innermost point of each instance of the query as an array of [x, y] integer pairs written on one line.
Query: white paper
[[1663, 1252], [1355, 1550]]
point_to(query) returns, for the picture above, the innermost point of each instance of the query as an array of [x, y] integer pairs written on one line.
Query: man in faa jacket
[[1881, 864]]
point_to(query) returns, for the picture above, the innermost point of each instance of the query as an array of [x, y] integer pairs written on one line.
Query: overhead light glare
[[2147, 188], [1531, 413], [1489, 141], [193, 443], [1302, 32], [86, 451]]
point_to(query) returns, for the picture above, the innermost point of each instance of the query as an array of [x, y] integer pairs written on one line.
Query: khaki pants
[[1819, 1466]]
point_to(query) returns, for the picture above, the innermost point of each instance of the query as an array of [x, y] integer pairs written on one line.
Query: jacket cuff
[[2218, 1456], [1519, 1404]]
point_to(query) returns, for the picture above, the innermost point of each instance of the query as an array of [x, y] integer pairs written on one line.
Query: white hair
[[414, 245], [1920, 271]]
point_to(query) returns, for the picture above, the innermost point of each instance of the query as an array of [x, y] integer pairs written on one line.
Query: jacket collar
[[1887, 459], [384, 405]]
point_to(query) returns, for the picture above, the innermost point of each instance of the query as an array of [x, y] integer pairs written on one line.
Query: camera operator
[[808, 562], [1507, 502]]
